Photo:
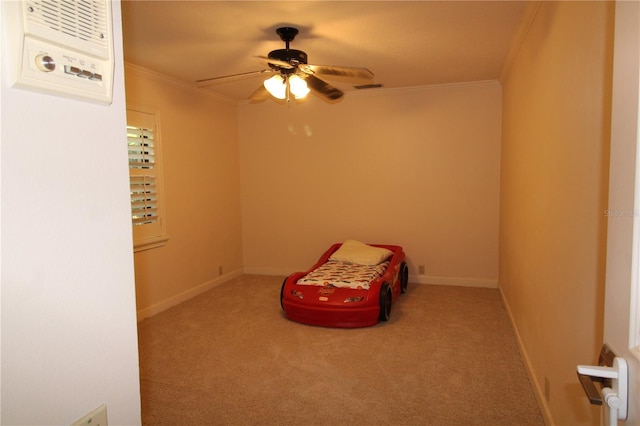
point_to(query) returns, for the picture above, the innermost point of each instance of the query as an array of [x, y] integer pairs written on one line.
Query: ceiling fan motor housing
[[287, 55]]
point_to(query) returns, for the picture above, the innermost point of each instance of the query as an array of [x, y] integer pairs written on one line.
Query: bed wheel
[[404, 277], [385, 302], [282, 293]]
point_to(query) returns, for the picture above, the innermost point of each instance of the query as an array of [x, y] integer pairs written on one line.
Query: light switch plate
[[97, 417]]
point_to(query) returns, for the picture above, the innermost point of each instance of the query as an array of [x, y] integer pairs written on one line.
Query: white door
[[622, 294]]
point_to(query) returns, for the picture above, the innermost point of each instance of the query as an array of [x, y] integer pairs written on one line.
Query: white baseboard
[[414, 279], [538, 389], [454, 281], [271, 271], [186, 295]]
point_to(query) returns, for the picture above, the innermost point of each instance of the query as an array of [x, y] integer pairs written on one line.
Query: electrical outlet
[[97, 417], [421, 269]]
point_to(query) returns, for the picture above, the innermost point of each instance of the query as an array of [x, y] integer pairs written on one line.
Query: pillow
[[356, 252]]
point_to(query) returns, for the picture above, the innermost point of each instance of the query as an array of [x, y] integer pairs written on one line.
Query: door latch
[[614, 382]]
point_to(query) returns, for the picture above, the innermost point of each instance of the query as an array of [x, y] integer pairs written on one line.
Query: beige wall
[[555, 141], [201, 179], [417, 168]]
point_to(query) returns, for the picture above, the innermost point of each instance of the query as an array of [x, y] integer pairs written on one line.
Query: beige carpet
[[448, 356]]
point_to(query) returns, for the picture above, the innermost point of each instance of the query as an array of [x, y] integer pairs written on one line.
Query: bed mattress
[[339, 274]]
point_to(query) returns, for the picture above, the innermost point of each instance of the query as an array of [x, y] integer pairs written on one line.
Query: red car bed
[[352, 285]]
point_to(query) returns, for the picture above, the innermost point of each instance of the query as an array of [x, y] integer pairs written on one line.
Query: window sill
[[150, 243]]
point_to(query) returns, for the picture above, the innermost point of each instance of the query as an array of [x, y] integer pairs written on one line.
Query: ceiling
[[405, 44]]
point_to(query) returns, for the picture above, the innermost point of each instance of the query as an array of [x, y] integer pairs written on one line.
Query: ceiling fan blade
[[321, 87], [278, 62], [260, 94], [232, 77], [348, 72]]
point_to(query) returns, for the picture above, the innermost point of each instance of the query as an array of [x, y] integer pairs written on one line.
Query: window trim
[[160, 237]]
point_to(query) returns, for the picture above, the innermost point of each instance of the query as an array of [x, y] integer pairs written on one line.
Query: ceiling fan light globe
[[276, 85], [298, 87]]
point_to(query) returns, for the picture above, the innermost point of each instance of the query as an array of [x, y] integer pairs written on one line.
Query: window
[[145, 179]]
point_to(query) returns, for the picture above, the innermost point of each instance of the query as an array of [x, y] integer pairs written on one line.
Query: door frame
[[621, 314]]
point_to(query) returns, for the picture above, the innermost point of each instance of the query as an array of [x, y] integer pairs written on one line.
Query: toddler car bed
[[352, 285]]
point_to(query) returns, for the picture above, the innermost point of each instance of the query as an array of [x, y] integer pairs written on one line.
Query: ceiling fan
[[291, 75]]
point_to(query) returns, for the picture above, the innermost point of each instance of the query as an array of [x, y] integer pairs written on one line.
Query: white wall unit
[[62, 48]]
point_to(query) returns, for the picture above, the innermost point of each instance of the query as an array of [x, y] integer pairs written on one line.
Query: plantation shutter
[[145, 179], [144, 194]]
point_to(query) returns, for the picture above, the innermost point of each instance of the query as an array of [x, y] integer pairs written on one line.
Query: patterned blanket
[[342, 274]]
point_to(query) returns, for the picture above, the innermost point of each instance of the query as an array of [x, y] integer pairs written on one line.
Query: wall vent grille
[[368, 86], [86, 20]]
